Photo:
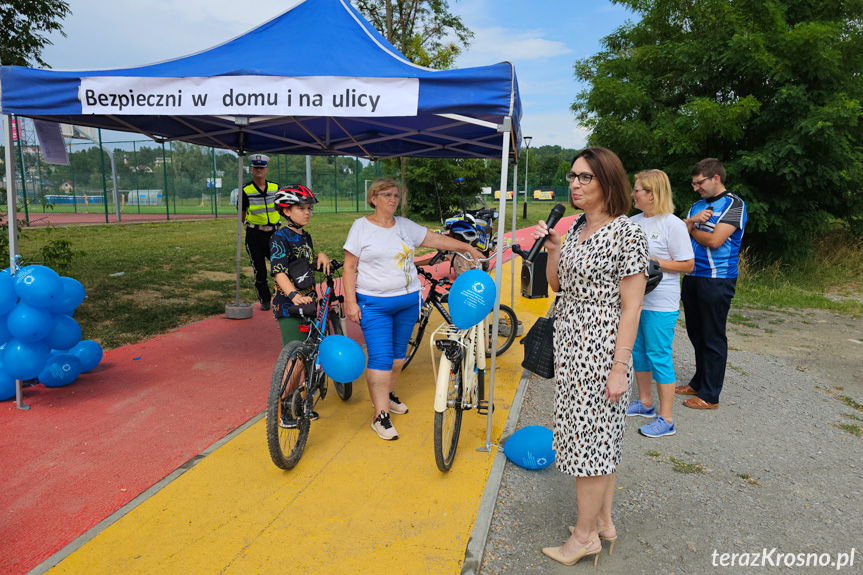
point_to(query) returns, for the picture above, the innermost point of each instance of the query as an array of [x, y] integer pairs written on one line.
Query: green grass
[[747, 478], [652, 453], [740, 319], [851, 428], [684, 467]]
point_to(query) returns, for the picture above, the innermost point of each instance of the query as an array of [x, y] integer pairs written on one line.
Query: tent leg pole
[[512, 259], [506, 128], [239, 223], [12, 217]]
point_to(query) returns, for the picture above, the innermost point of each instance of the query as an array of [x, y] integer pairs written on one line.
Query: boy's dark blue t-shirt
[[291, 253]]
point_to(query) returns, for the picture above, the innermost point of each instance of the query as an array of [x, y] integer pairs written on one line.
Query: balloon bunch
[[38, 337]]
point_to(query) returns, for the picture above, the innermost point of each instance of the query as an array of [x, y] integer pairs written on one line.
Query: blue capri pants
[[652, 349], [387, 323]]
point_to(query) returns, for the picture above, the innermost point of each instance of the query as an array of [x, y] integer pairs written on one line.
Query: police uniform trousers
[[258, 247]]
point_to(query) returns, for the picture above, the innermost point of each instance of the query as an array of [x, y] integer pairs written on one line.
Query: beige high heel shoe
[[599, 531], [555, 553]]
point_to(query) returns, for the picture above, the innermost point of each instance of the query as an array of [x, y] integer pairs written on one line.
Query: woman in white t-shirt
[[383, 294], [669, 244]]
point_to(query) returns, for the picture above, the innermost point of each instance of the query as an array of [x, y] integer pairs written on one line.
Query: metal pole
[[512, 256], [527, 140], [309, 172], [102, 163], [239, 222], [215, 198], [23, 171], [137, 185], [12, 213], [113, 157], [506, 127], [165, 183]]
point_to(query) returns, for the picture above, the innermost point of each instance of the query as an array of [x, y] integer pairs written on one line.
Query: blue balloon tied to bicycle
[[341, 358], [471, 298], [530, 447]]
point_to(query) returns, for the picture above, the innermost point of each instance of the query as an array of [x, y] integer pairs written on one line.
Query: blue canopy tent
[[344, 91]]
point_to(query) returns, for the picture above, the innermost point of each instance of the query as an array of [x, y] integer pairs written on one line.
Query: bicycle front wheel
[[334, 327], [287, 424], [416, 339], [447, 425], [506, 333]]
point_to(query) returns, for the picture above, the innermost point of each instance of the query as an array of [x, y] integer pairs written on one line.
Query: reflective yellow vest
[[262, 207]]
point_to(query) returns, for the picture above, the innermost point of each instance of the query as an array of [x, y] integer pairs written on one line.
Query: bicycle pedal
[[482, 408]]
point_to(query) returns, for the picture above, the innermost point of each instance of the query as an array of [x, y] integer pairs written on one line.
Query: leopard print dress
[[588, 429]]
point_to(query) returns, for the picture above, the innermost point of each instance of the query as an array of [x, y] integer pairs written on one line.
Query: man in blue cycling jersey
[[715, 225]]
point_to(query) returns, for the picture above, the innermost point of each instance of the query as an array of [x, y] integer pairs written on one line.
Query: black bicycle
[[507, 321], [298, 381]]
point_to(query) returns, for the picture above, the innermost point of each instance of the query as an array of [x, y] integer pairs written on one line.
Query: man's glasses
[[391, 196], [695, 185], [584, 178]]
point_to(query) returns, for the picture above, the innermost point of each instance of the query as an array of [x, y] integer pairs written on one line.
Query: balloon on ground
[[60, 370], [341, 358], [530, 447], [471, 298], [89, 352]]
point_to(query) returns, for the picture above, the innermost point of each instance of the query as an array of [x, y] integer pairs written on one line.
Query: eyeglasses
[[391, 196], [695, 185], [584, 178], [639, 190]]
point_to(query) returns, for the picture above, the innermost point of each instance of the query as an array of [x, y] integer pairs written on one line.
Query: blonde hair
[[378, 186], [657, 182]]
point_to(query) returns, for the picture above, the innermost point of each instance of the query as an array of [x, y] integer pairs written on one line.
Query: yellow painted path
[[354, 504]]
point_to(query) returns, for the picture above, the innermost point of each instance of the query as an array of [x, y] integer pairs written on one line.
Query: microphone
[[556, 213]]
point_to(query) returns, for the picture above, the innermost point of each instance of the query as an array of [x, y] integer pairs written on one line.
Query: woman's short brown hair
[[608, 169], [378, 186]]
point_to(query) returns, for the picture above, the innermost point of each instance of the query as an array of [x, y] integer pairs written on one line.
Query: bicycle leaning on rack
[[507, 322], [299, 382], [460, 379]]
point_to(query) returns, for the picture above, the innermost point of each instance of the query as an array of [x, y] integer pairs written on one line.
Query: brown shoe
[[698, 403], [684, 390]]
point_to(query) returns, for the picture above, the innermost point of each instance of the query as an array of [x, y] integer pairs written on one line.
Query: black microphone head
[[559, 210]]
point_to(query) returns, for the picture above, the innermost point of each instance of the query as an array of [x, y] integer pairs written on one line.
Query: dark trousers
[[258, 247], [706, 302]]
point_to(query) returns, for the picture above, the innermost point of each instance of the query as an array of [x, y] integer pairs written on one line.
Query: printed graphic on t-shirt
[[405, 261], [655, 235]]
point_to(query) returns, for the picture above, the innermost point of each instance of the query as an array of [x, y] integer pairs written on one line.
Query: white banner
[[250, 96], [51, 142]]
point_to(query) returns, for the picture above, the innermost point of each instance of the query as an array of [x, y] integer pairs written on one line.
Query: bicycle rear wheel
[[447, 425], [287, 424], [334, 327], [507, 331]]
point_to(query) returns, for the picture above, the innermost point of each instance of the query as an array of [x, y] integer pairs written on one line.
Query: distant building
[[66, 187]]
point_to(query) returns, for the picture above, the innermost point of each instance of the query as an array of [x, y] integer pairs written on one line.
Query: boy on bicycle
[[293, 262]]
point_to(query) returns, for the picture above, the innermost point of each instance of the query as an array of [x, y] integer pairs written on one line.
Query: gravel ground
[[768, 469]]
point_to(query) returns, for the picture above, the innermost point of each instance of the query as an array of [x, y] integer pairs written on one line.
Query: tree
[[422, 30], [770, 87], [22, 22]]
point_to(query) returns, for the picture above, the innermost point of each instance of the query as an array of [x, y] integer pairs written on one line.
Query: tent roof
[[433, 113]]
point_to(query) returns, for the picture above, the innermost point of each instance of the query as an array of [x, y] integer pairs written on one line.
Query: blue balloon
[[342, 358], [38, 285], [29, 323], [23, 360], [89, 352], [7, 385], [60, 370], [530, 447], [4, 331], [64, 334], [8, 295], [71, 297], [471, 298]]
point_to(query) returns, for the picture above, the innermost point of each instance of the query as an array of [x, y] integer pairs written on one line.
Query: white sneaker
[[384, 427], [397, 406]]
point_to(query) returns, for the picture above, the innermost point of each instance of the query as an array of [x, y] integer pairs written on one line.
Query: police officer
[[261, 220]]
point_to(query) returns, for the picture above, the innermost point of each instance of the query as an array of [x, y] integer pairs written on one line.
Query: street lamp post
[[527, 140]]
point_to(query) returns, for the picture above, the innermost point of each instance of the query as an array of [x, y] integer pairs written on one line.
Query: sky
[[543, 38]]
